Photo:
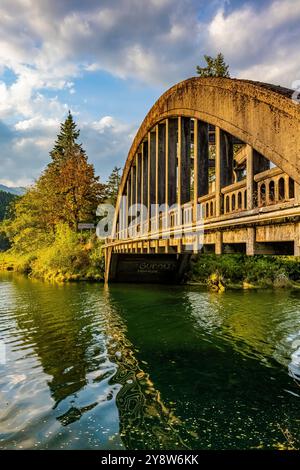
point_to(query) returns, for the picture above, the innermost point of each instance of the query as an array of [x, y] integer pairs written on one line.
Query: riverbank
[[70, 257], [73, 259], [238, 271]]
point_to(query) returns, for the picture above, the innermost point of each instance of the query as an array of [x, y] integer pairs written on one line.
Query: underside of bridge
[[214, 167]]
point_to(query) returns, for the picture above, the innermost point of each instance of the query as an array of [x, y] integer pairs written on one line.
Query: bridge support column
[[144, 184], [297, 240], [160, 189], [201, 160], [250, 244], [250, 176], [171, 160], [224, 165], [151, 175], [110, 265], [219, 243], [184, 160], [297, 193], [218, 172]]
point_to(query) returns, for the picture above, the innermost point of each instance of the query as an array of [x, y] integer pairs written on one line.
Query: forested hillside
[[5, 200]]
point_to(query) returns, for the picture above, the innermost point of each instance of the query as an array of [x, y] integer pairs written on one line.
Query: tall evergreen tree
[[66, 142], [216, 67], [67, 191], [112, 186], [71, 189]]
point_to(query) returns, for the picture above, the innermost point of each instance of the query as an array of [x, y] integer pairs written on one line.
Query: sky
[[109, 60]]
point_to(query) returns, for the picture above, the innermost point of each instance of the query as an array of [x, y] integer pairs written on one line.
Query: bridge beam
[[219, 243], [297, 240], [250, 243]]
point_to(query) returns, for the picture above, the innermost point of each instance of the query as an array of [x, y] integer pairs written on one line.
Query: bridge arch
[[250, 124], [262, 115]]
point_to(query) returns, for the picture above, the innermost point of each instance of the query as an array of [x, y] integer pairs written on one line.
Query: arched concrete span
[[249, 205]]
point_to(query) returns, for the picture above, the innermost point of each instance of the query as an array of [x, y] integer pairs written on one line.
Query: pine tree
[[65, 144], [67, 191], [112, 186], [70, 189], [216, 67]]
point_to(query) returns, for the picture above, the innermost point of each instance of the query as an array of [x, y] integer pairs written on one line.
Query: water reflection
[[144, 419], [146, 367], [80, 341]]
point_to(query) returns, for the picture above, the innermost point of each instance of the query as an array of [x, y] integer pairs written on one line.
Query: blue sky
[[108, 61]]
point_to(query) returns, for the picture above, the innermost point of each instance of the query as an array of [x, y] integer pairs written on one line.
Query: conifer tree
[[66, 142], [71, 189], [67, 191], [112, 186], [216, 67]]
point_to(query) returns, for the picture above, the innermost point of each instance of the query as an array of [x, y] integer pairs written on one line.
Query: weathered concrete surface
[[149, 268], [263, 213], [259, 114]]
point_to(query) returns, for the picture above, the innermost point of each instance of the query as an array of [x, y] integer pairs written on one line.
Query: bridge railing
[[208, 203], [273, 187], [235, 197], [187, 213]]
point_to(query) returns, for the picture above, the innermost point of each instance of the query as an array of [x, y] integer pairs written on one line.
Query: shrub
[[277, 271]]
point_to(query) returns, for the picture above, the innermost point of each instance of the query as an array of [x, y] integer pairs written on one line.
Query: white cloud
[[47, 45], [260, 44], [36, 123]]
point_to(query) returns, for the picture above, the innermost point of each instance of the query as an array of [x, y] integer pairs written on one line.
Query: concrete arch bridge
[[214, 167]]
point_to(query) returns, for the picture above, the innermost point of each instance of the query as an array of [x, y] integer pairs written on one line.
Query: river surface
[[147, 367]]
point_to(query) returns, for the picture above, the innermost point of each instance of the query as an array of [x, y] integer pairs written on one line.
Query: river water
[[147, 367]]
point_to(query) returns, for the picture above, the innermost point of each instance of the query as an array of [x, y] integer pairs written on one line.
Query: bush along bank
[[237, 271], [67, 257]]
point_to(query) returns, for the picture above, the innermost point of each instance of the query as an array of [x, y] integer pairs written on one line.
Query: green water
[[147, 367]]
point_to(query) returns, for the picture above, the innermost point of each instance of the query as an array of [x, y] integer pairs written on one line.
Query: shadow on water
[[146, 367], [222, 360]]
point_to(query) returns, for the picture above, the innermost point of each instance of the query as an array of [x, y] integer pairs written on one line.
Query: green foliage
[[263, 271], [27, 227], [112, 186], [20, 263], [66, 141], [67, 192], [42, 224], [71, 191], [5, 200], [64, 256], [69, 257], [215, 67]]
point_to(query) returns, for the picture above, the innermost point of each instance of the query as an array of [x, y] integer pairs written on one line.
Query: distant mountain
[[18, 191]]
